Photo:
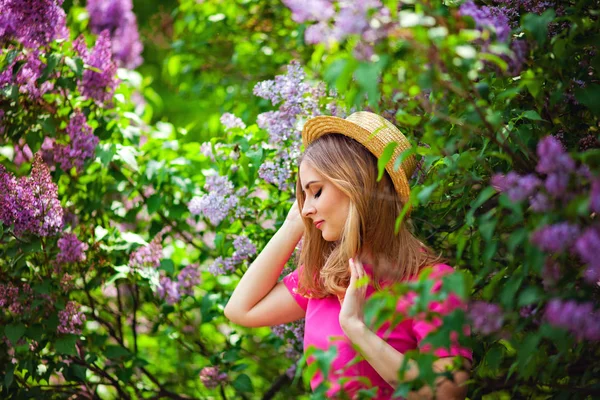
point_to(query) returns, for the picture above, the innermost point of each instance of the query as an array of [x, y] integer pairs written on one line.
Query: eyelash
[[318, 193]]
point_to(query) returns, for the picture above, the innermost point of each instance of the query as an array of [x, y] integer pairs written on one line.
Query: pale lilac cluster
[[243, 249], [30, 203], [70, 319], [117, 17], [220, 200], [230, 121], [579, 318], [15, 299], [72, 250], [168, 290], [188, 279], [487, 318], [556, 164], [33, 23], [555, 238], [367, 18], [211, 377], [276, 174], [82, 144], [513, 9], [487, 17], [587, 247], [98, 86], [147, 256]]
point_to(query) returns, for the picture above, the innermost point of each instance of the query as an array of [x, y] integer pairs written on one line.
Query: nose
[[307, 208]]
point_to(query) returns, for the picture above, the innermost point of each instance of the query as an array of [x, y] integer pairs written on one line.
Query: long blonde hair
[[374, 207]]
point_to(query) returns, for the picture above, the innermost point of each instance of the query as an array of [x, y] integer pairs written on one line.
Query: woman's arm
[[258, 300], [387, 361]]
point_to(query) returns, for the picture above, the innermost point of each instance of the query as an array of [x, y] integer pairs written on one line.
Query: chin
[[330, 238]]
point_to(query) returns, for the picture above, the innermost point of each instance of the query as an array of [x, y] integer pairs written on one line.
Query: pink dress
[[322, 330]]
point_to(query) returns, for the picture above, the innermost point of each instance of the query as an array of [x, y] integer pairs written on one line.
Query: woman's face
[[325, 204]]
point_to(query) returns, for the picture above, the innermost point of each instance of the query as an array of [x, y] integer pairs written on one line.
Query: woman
[[346, 218]]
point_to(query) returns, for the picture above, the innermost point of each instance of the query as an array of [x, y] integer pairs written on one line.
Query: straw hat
[[375, 133]]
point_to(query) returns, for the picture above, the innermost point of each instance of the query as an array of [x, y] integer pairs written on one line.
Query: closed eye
[[318, 193]]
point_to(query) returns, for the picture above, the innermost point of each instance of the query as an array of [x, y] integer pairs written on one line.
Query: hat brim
[[324, 125]]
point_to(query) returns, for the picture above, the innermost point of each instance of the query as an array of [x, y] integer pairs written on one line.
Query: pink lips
[[318, 224]]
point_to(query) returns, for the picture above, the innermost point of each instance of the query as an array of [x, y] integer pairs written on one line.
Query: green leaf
[[66, 345], [590, 97], [537, 25], [116, 352], [532, 115], [387, 154], [243, 384], [426, 192], [530, 295], [154, 202], [52, 62], [75, 65], [14, 332]]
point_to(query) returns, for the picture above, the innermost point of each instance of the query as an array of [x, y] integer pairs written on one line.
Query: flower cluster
[[172, 290], [243, 249], [487, 17], [33, 23], [117, 17], [70, 319], [15, 299], [487, 318], [147, 256], [579, 318], [82, 144], [72, 250], [230, 121], [211, 377], [98, 86], [30, 203], [218, 202], [293, 336]]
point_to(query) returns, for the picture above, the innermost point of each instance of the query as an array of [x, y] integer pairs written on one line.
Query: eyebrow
[[309, 183]]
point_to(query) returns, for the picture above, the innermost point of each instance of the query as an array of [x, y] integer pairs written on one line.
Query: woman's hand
[[352, 312], [294, 219]]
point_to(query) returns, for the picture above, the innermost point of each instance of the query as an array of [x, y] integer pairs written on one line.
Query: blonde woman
[[346, 218]]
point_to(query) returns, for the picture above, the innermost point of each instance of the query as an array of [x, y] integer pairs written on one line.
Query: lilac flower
[[517, 187], [31, 203], [221, 266], [310, 10], [516, 61], [595, 196], [319, 33], [487, 17], [23, 153], [352, 18], [540, 203], [148, 256], [275, 174], [82, 144], [117, 17], [188, 278], [70, 319], [217, 204], [34, 23], [487, 318], [553, 157], [230, 121], [588, 248], [28, 75], [168, 290], [555, 238], [211, 377], [71, 249], [9, 298], [579, 318], [98, 86], [243, 249]]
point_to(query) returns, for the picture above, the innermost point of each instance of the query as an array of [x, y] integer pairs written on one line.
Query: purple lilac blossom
[[72, 250], [70, 319], [555, 238], [579, 318], [33, 23], [352, 17], [98, 86], [23, 153], [520, 52], [168, 290], [31, 203], [553, 157], [275, 174], [28, 75], [310, 10], [211, 377], [117, 17], [82, 144], [487, 318], [230, 121], [595, 196], [188, 278], [147, 256], [221, 266], [487, 17], [588, 248], [9, 298], [244, 248], [517, 187], [218, 202]]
